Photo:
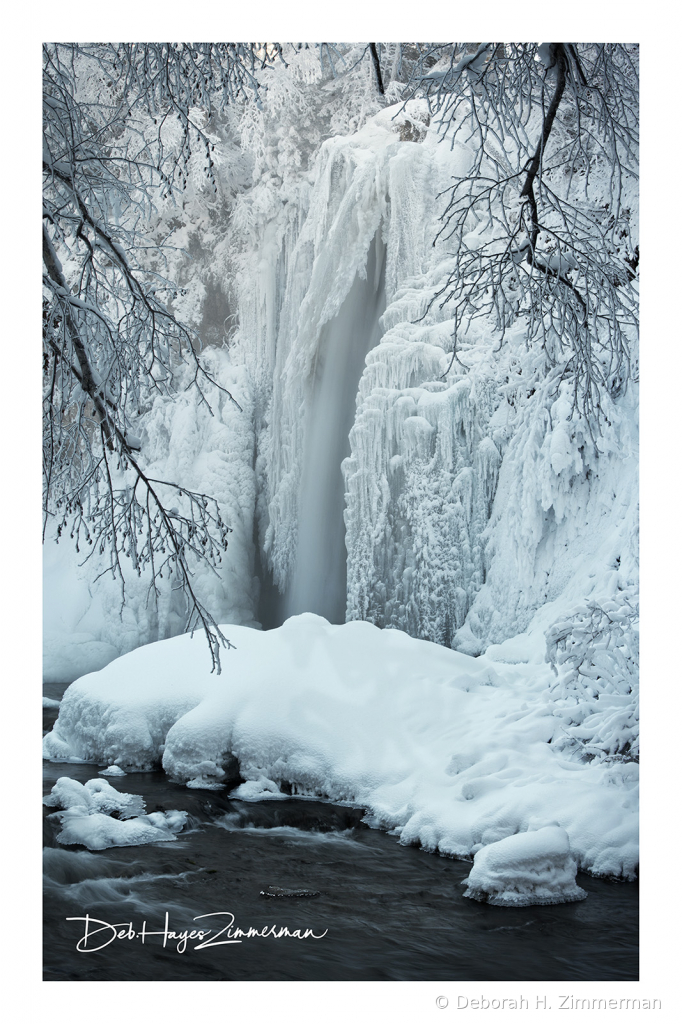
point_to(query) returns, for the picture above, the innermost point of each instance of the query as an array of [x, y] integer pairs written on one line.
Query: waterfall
[[319, 577]]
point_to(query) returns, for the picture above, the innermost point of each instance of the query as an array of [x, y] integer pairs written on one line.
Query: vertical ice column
[[319, 578]]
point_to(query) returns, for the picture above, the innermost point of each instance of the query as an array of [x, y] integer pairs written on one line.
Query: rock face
[[524, 869]]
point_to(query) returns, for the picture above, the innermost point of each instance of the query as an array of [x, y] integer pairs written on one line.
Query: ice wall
[[420, 471], [294, 300]]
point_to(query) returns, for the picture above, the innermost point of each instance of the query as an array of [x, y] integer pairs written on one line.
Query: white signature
[[98, 934]]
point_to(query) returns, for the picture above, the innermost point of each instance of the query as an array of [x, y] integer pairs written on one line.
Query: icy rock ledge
[[525, 869], [86, 820]]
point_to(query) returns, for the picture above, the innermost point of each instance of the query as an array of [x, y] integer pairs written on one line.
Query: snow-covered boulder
[[97, 796], [526, 868]]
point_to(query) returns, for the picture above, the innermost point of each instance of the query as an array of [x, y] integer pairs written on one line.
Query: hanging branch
[[544, 200], [110, 339]]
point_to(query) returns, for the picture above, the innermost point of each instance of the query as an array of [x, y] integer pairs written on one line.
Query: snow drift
[[449, 751]]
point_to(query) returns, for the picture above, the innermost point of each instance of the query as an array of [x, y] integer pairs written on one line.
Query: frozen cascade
[[319, 578], [421, 469]]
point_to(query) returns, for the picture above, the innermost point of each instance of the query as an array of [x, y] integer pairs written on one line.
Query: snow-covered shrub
[[594, 653]]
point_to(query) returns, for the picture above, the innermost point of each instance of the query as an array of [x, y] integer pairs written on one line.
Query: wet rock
[[276, 892]]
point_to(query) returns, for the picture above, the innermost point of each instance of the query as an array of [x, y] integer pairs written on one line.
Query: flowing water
[[384, 911], [319, 578]]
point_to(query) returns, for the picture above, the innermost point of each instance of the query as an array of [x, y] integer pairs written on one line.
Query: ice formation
[[448, 750], [475, 496], [526, 868], [86, 816]]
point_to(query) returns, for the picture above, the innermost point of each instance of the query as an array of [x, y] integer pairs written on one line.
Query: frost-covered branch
[[540, 223], [122, 122]]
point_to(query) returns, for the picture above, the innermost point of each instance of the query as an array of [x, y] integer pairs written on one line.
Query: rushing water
[[389, 912]]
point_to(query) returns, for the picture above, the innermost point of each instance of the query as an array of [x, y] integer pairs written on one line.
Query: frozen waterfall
[[319, 577]]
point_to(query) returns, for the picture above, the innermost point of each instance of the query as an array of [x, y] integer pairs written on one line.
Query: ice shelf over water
[[452, 752]]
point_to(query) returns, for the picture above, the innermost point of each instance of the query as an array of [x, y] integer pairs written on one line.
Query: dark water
[[390, 912]]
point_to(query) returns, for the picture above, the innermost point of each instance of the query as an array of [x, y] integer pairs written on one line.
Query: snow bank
[[450, 751], [526, 868], [86, 816]]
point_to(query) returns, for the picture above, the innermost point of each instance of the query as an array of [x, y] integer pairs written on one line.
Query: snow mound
[[527, 868], [449, 750], [258, 789], [86, 820]]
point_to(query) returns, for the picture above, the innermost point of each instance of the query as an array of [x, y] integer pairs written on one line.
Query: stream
[[383, 911]]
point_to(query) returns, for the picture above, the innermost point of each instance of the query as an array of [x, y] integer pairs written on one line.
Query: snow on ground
[[452, 752], [86, 816], [526, 868]]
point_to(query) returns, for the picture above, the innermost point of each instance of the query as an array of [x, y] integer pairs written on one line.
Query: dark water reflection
[[390, 912]]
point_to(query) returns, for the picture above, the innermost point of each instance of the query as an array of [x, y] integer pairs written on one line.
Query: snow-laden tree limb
[[540, 225]]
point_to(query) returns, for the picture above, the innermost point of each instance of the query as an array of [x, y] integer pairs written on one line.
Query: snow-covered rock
[[450, 751], [526, 868], [86, 816], [96, 796], [100, 831]]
